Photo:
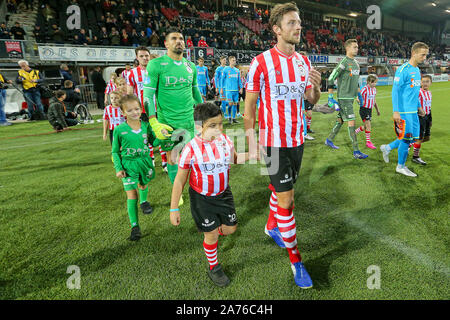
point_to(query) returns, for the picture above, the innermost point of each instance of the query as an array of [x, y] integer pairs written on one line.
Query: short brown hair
[[372, 78], [229, 57], [349, 42], [59, 93], [419, 45], [427, 76], [141, 48], [68, 84], [127, 99], [277, 13]]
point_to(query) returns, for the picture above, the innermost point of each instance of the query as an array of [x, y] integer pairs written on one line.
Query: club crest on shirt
[[188, 67], [301, 67]]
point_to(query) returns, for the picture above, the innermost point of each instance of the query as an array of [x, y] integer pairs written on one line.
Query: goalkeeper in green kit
[[347, 75], [173, 80]]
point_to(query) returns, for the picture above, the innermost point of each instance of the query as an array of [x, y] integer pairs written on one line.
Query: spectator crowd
[[144, 23]]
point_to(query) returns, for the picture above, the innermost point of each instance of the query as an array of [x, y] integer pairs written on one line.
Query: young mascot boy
[[130, 151], [206, 160], [368, 94], [425, 121], [112, 115]]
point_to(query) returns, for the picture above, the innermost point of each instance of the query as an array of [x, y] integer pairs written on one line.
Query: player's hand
[[121, 174], [397, 117], [421, 112], [175, 218], [315, 78], [162, 131], [378, 112], [104, 137]]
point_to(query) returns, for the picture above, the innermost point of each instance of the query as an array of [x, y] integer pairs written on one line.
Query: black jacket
[[72, 99], [55, 113], [98, 81]]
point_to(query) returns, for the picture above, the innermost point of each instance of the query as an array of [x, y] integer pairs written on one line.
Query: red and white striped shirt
[[110, 87], [114, 116], [125, 74], [136, 78], [425, 100], [281, 82], [209, 162], [368, 95]]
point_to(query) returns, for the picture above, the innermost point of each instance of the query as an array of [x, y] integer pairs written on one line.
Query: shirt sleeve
[[186, 157], [337, 71], [150, 88], [420, 100], [254, 77], [195, 90], [308, 63], [364, 95], [398, 83], [105, 115], [115, 151], [223, 78], [130, 79]]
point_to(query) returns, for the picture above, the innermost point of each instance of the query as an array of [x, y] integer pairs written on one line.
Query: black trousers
[[100, 96]]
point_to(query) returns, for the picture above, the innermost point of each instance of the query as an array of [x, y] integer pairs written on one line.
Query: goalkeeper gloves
[[159, 127], [333, 103]]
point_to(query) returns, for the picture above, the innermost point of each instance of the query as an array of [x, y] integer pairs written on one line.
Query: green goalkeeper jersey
[[175, 85], [130, 145], [347, 75]]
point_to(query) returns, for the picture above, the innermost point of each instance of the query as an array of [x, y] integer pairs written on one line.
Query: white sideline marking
[[412, 253], [49, 142]]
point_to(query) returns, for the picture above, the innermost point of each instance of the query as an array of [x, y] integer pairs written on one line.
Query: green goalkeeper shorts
[[139, 171], [183, 132], [346, 112]]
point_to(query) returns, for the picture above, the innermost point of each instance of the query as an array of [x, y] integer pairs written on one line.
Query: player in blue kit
[[202, 78], [218, 81], [232, 87], [405, 103]]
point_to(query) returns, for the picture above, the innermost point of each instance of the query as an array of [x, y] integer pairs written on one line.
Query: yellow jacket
[[28, 76]]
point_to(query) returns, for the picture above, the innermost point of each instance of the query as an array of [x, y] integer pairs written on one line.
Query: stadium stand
[[135, 22]]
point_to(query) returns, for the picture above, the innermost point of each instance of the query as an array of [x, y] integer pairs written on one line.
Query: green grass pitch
[[62, 205]]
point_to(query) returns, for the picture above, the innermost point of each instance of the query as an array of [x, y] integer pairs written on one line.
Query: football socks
[[273, 203], [403, 153], [393, 145], [286, 225], [133, 212], [361, 128], [367, 136], [143, 195], [416, 149], [352, 134], [211, 254], [308, 122], [163, 157], [335, 130]]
